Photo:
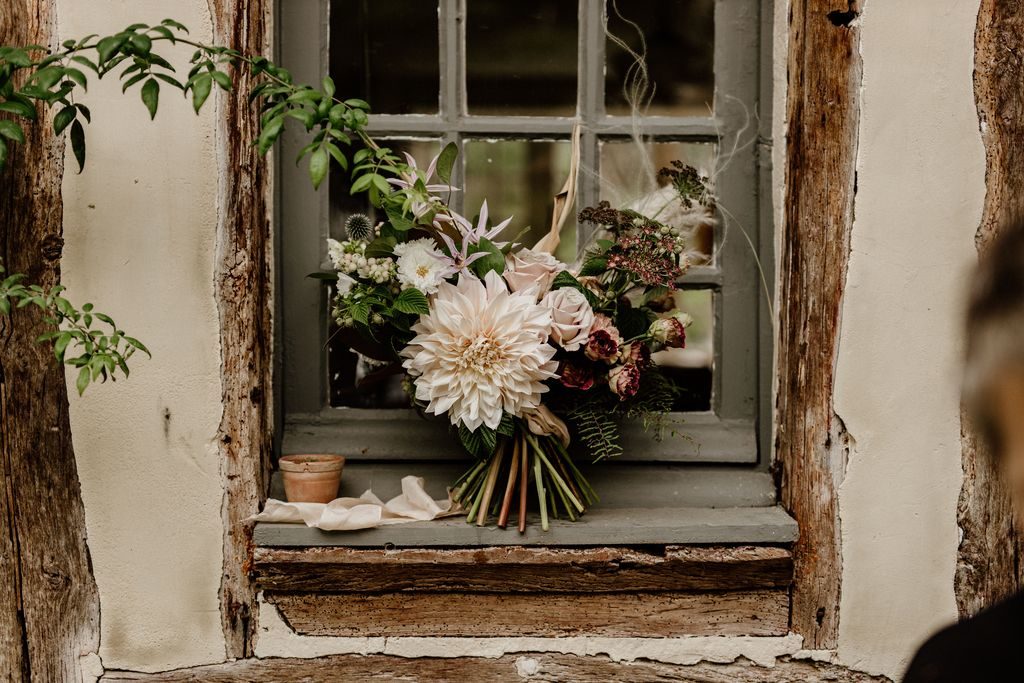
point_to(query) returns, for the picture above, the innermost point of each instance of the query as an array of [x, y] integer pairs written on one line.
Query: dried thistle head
[[359, 227]]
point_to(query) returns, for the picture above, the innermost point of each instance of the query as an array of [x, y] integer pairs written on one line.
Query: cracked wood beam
[[244, 281], [823, 113], [989, 557], [49, 604], [515, 668]]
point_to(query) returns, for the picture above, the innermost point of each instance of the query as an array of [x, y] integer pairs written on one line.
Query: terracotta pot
[[311, 478]]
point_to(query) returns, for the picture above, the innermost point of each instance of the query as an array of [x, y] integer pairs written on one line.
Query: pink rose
[[576, 375], [525, 269], [572, 317], [624, 381]]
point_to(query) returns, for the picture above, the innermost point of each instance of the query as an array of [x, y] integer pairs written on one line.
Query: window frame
[[738, 428]]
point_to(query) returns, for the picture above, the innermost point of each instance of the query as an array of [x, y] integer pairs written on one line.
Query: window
[[507, 81]]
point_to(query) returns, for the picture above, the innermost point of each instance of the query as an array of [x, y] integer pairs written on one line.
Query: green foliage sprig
[[84, 339]]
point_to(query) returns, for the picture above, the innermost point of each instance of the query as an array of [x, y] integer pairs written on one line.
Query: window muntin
[[725, 290]]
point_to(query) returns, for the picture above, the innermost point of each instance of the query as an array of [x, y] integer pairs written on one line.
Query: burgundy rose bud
[[671, 331], [624, 381], [636, 353], [577, 375], [602, 345]]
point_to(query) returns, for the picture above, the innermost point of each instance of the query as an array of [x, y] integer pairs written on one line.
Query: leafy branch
[[102, 350], [49, 83]]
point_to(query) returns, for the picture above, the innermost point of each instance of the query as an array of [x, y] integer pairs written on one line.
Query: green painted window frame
[[735, 435]]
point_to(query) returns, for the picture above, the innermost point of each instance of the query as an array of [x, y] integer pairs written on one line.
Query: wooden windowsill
[[529, 591]]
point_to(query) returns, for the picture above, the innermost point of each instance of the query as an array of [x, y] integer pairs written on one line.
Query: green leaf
[[17, 56], [495, 260], [223, 80], [3, 152], [85, 61], [328, 86], [323, 276], [139, 345], [83, 380], [319, 163], [11, 130], [47, 77], [201, 90], [78, 143], [507, 426], [132, 81], [142, 43], [269, 134], [380, 183], [594, 266], [61, 345], [399, 221], [446, 161], [411, 301], [78, 77], [358, 104], [63, 119], [362, 184], [109, 46], [19, 108], [151, 96], [337, 155]]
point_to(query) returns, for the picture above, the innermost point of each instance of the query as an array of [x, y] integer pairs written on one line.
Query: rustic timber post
[[989, 559], [245, 301], [49, 604], [811, 441]]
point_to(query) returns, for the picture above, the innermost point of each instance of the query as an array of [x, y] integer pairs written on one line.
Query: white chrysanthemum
[[481, 351], [420, 265]]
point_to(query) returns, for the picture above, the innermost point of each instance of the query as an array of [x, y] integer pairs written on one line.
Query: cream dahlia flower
[[481, 351]]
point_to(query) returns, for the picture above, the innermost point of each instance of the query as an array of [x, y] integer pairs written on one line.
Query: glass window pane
[[519, 178], [691, 367], [680, 39], [386, 52], [521, 57], [623, 186]]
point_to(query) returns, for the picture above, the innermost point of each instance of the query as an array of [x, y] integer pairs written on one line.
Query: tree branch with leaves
[[39, 83]]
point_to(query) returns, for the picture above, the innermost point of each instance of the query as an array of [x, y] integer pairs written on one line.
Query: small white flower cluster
[[349, 257]]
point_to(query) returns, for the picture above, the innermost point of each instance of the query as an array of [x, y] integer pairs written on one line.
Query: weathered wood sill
[[529, 591]]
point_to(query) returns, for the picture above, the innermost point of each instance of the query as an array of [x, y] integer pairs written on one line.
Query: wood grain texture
[[736, 613], [547, 668], [522, 569], [49, 605], [245, 302], [811, 440], [989, 564]]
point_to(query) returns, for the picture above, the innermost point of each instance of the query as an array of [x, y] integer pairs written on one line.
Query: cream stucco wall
[[920, 173], [140, 239], [139, 227]]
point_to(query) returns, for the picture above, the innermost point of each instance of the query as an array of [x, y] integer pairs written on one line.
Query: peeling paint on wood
[[49, 605], [528, 666], [735, 613], [245, 300], [522, 569], [989, 564], [811, 441]]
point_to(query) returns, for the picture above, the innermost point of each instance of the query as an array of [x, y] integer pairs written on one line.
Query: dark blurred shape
[[680, 37], [521, 57], [386, 52]]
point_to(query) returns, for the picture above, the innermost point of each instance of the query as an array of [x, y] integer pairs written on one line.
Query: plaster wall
[[920, 177], [140, 226]]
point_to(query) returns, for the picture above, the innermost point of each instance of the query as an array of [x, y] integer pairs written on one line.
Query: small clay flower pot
[[311, 478]]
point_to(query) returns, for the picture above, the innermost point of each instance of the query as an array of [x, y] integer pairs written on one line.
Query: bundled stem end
[[538, 462]]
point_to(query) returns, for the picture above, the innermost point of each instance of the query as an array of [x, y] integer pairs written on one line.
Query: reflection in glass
[[519, 179], [680, 39], [691, 367], [521, 57], [386, 52], [624, 186]]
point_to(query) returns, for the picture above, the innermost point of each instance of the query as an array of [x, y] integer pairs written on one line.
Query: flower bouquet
[[523, 354]]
